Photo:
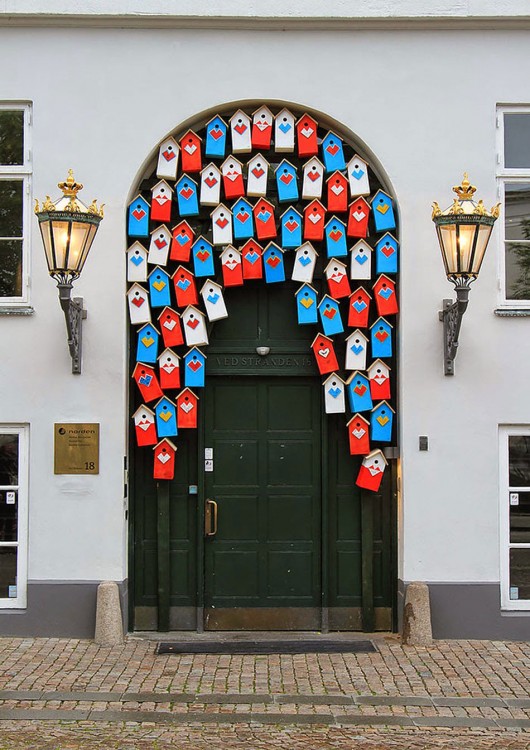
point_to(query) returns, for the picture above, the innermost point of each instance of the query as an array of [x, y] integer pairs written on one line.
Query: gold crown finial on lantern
[[466, 190], [70, 190]]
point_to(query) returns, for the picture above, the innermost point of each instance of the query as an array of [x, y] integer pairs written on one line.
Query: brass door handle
[[210, 518]]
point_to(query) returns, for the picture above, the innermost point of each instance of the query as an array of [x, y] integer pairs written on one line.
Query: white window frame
[[20, 601], [22, 172], [506, 431]]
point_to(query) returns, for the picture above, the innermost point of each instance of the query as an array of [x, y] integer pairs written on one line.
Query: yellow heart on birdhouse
[[382, 421], [306, 302], [166, 415], [159, 285], [382, 208], [147, 341]]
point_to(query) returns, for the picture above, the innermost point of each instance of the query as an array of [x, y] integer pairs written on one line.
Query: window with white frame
[[515, 517], [13, 515], [15, 173]]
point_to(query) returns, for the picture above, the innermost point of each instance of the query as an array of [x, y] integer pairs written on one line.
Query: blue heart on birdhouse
[[284, 127], [361, 259], [357, 173], [359, 305], [252, 256], [304, 260], [264, 215], [334, 392], [386, 292], [212, 298], [357, 349], [137, 260], [183, 284], [145, 379]]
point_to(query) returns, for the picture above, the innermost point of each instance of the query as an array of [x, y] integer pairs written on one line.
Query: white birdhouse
[[194, 325], [137, 263], [304, 263], [168, 159], [139, 310], [284, 132], [334, 398], [258, 170], [210, 190], [361, 261], [159, 246], [313, 179], [356, 348], [240, 127], [212, 297], [358, 176], [221, 225]]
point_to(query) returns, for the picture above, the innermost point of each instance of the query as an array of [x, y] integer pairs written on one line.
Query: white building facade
[[422, 93]]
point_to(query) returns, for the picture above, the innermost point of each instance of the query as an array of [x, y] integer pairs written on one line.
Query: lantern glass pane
[[92, 229], [60, 233], [76, 256], [447, 236], [484, 232], [466, 238], [45, 231]]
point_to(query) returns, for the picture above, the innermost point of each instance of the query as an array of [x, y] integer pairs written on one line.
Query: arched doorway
[[262, 525]]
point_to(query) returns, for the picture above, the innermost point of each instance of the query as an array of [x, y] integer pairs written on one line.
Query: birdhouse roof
[[383, 403], [373, 454], [378, 363], [382, 279], [139, 198], [159, 184], [307, 246], [202, 239], [335, 377], [256, 157], [264, 201], [314, 202], [186, 178], [220, 207], [359, 199], [192, 309], [273, 246], [231, 158], [285, 111], [143, 407], [157, 269], [142, 366], [167, 351], [385, 237], [166, 399], [149, 325], [209, 282], [327, 298], [212, 167], [189, 392], [356, 417], [137, 287], [239, 201], [291, 210], [285, 163], [251, 243], [169, 139], [185, 271], [195, 350], [169, 311], [313, 160], [381, 320], [356, 374], [305, 286], [331, 134], [231, 249], [239, 113], [335, 220], [136, 246], [335, 262], [181, 224], [319, 337], [218, 118], [263, 108], [190, 133], [360, 291], [167, 442], [364, 244], [381, 192], [357, 332], [305, 116], [335, 175], [161, 228], [356, 157]]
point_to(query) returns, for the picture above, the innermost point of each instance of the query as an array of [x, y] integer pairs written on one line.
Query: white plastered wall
[[103, 98]]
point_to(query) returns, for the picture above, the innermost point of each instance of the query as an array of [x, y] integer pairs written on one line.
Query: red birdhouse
[[358, 214], [147, 382], [185, 288], [252, 261], [264, 220], [385, 296], [168, 363], [231, 266], [144, 426], [190, 152], [232, 171], [187, 409], [324, 352], [164, 463], [181, 242], [171, 328], [337, 278], [371, 471], [359, 435], [379, 376], [314, 220], [262, 121], [337, 192], [161, 197], [359, 308], [306, 136]]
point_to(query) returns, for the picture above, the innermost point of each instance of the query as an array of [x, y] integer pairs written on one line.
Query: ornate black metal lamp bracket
[[74, 314], [451, 315]]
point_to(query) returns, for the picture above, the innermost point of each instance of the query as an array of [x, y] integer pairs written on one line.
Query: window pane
[[10, 268], [519, 517], [520, 573], [517, 210], [11, 208], [8, 515], [8, 572], [517, 264], [519, 458], [517, 140], [9, 460], [11, 136]]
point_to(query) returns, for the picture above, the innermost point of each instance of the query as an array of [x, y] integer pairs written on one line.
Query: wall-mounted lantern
[[463, 231], [68, 228]]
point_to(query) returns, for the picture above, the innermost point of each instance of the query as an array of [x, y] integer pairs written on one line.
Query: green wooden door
[[263, 565]]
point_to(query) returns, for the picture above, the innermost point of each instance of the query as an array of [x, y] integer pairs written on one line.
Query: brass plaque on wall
[[76, 448]]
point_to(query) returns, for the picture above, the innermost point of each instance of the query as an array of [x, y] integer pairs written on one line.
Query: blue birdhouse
[[381, 338], [159, 288], [383, 212], [381, 420], [306, 305], [333, 152], [286, 182], [386, 254], [166, 418], [242, 220], [216, 138], [291, 225], [194, 368], [335, 232], [330, 316], [358, 387], [138, 219], [187, 198], [147, 347], [203, 263], [273, 264]]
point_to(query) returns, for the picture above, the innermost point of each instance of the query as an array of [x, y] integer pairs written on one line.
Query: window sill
[[512, 312], [16, 310]]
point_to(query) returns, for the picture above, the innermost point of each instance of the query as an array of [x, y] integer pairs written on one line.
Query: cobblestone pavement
[[60, 694]]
